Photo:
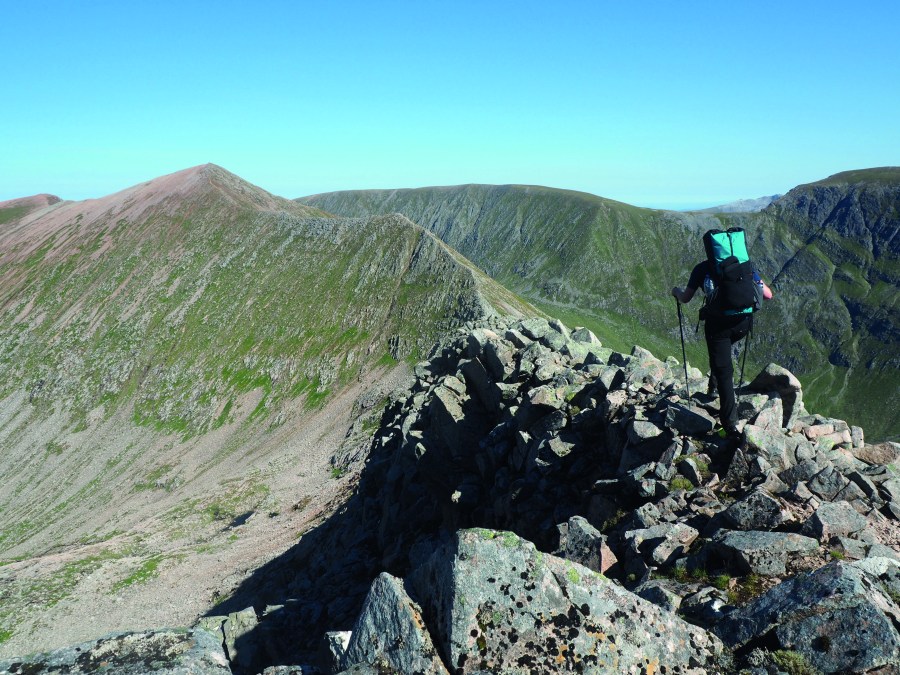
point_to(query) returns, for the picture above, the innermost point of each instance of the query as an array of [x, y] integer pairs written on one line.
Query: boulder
[[771, 416], [834, 519], [495, 604], [693, 421], [236, 628], [774, 378], [584, 544], [662, 544], [771, 444], [757, 511], [827, 483], [586, 336], [163, 652], [842, 618], [535, 328], [764, 553], [390, 632], [660, 594], [880, 454], [688, 468], [333, 648]]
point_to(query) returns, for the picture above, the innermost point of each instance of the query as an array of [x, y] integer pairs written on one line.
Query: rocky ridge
[[598, 458], [535, 502]]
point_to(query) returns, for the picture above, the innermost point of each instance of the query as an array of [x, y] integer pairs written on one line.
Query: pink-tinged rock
[[818, 430]]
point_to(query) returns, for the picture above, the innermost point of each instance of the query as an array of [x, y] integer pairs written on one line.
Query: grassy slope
[[610, 266]]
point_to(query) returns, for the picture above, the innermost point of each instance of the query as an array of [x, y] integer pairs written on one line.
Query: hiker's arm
[[683, 296], [767, 292]]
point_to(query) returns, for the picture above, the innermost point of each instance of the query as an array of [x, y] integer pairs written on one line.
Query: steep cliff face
[[828, 249], [840, 297]]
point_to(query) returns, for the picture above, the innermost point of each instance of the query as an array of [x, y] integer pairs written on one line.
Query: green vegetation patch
[[11, 213], [793, 663], [147, 570]]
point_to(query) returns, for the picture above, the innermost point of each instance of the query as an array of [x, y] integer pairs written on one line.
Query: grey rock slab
[[560, 328], [162, 652], [495, 604], [771, 444], [535, 328], [612, 377], [890, 489], [689, 421], [840, 617], [554, 341], [827, 483], [659, 593], [774, 378], [688, 468], [759, 510], [586, 336], [333, 648], [663, 543], [390, 632], [764, 553], [479, 382], [516, 338], [499, 359], [237, 626], [801, 472], [834, 519], [476, 340], [771, 416], [641, 430]]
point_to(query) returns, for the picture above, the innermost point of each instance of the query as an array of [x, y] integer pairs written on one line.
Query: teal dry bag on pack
[[736, 291]]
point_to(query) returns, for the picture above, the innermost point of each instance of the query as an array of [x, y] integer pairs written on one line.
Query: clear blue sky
[[656, 103]]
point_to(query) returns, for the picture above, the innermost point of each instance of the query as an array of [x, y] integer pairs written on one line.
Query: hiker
[[724, 326]]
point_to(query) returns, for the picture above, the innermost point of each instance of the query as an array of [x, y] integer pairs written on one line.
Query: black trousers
[[721, 333]]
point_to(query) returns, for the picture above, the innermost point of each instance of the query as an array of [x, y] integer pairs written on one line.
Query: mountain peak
[[32, 202]]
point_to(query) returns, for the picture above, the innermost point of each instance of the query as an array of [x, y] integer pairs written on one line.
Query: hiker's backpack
[[736, 292]]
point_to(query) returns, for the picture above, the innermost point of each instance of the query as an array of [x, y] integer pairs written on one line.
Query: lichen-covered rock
[[495, 604], [842, 618], [757, 511], [390, 633], [164, 652]]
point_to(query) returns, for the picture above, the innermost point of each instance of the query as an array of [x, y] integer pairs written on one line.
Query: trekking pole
[[687, 386], [746, 347]]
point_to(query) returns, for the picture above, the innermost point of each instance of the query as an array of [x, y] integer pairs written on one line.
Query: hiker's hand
[[676, 293]]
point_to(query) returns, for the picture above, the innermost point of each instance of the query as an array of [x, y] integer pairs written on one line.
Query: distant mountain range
[[828, 248], [741, 205]]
